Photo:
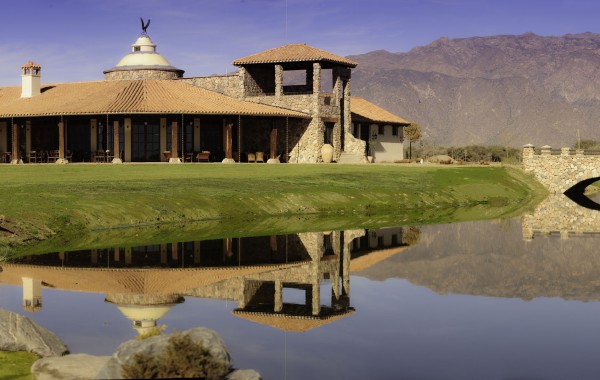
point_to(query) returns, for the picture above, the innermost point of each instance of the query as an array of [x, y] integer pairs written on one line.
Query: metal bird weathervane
[[144, 27]]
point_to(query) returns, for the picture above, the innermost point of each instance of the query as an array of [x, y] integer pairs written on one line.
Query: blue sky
[[75, 40]]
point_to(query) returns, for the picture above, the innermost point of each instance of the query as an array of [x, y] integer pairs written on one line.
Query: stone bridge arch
[[564, 171]]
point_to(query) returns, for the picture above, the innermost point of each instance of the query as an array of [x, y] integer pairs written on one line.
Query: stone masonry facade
[[558, 173], [302, 140]]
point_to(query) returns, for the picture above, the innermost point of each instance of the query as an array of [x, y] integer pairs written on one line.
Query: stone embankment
[[558, 173]]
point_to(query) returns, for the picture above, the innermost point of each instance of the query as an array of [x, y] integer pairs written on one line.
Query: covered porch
[[143, 121], [147, 138]]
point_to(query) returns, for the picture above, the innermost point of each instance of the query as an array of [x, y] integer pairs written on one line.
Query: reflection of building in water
[[146, 282], [144, 310], [32, 294], [558, 215]]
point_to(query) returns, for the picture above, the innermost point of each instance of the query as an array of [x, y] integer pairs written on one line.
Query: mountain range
[[499, 90]]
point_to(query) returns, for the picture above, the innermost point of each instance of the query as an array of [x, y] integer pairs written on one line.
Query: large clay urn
[[327, 153]]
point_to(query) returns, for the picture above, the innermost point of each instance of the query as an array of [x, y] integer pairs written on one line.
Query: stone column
[[278, 301], [316, 297], [528, 153], [117, 144], [228, 143], [546, 150], [347, 116], [316, 89], [337, 83], [565, 151], [278, 80], [174, 144]]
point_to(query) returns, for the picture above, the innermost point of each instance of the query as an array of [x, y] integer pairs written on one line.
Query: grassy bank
[[66, 202], [16, 365]]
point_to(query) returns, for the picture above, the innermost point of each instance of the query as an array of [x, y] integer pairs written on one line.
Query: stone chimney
[[30, 79]]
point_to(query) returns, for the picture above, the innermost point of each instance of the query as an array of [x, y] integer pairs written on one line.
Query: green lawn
[[41, 201], [16, 365]]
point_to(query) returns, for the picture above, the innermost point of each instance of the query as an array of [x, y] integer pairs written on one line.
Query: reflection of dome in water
[[143, 63], [144, 310]]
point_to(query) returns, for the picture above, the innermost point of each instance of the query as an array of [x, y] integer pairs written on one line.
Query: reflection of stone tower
[[32, 294], [144, 310]]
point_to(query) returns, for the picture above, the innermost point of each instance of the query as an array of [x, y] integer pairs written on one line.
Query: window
[[382, 130], [136, 48], [395, 130]]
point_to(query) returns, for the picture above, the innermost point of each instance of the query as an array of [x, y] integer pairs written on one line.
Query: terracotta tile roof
[[363, 110], [294, 53], [290, 323], [375, 257], [129, 281], [129, 97]]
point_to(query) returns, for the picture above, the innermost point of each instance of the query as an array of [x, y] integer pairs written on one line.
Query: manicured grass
[[16, 365], [40, 201]]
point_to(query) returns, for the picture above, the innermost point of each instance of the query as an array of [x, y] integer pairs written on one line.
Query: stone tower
[[30, 79]]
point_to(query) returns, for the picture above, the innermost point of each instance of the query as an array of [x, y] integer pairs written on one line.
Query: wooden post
[[117, 143], [229, 140], [273, 143], [15, 143], [174, 142], [61, 141]]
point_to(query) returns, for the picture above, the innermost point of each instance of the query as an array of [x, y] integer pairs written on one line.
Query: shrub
[[182, 358]]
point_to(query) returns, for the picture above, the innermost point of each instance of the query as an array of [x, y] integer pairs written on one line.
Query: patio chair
[[260, 157], [33, 157], [203, 156], [100, 156], [189, 157], [52, 155], [251, 157]]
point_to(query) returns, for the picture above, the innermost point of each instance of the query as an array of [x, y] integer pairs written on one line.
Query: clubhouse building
[[288, 104]]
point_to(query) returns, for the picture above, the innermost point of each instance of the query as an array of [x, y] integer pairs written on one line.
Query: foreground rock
[[19, 333], [70, 367], [87, 367]]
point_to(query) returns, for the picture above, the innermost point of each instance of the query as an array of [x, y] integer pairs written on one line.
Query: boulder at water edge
[[19, 333]]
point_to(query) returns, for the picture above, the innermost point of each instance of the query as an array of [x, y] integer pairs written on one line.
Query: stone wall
[[141, 74], [224, 84], [560, 172]]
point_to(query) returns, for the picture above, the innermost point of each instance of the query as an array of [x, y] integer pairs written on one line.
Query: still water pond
[[509, 299]]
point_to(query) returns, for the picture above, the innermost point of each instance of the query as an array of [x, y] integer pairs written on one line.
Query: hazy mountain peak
[[504, 89]]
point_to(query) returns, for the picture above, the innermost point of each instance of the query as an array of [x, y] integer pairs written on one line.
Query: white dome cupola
[[144, 62]]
